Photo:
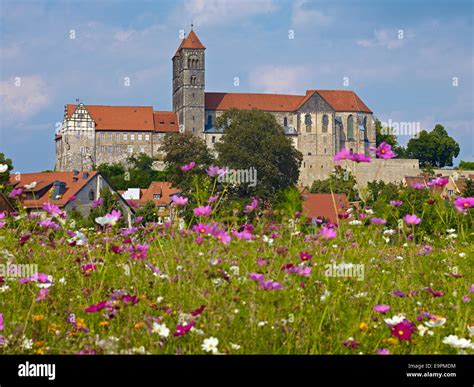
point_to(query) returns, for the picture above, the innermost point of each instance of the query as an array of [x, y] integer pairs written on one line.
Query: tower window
[[325, 123], [193, 80]]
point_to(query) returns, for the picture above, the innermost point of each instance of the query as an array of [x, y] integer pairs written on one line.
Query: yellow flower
[[39, 343], [139, 325], [363, 326], [391, 341], [80, 322], [53, 328], [38, 317], [104, 323], [40, 351]]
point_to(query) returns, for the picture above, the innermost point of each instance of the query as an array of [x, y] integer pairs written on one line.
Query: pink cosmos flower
[[271, 285], [2, 323], [180, 201], [252, 206], [244, 235], [383, 351], [378, 221], [384, 151], [48, 223], [213, 171], [97, 307], [222, 237], [462, 204], [350, 343], [396, 203], [304, 256], [181, 330], [382, 308], [343, 154], [117, 249], [212, 199], [403, 330], [359, 158], [88, 268], [16, 192], [328, 233], [439, 182], [202, 228], [435, 293], [42, 294], [97, 203], [425, 250], [2, 215], [198, 311], [138, 251], [203, 211], [188, 167], [418, 186], [411, 219], [53, 210], [257, 277]]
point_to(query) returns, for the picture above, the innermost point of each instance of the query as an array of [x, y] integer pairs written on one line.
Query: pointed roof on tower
[[190, 41]]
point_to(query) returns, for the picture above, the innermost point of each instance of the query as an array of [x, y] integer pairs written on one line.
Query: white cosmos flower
[[435, 322], [3, 168], [325, 295], [161, 329], [235, 346], [398, 318], [389, 232], [31, 185], [267, 239], [235, 270], [103, 220], [456, 342], [470, 328], [355, 222], [210, 345], [451, 230]]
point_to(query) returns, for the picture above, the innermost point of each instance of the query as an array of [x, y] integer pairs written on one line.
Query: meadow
[[243, 283]]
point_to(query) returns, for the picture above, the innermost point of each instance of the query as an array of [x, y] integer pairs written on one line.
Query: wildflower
[[198, 311], [396, 203], [462, 204], [343, 154], [213, 171], [3, 168], [425, 250], [97, 203], [383, 351], [439, 182], [97, 307], [378, 220], [328, 233], [363, 326], [222, 237], [139, 251], [244, 235], [257, 277], [382, 308], [435, 292], [2, 323], [435, 321], [42, 294], [304, 256], [210, 345], [180, 201], [350, 343], [252, 206], [235, 346], [403, 330], [271, 285], [203, 211], [48, 223], [398, 318], [359, 158], [384, 151], [418, 186], [455, 342], [53, 210], [411, 219], [188, 167], [181, 330], [16, 192], [160, 329], [88, 268], [109, 219]]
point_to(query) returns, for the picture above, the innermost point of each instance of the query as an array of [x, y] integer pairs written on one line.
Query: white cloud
[[304, 14], [207, 12], [279, 79], [382, 38], [19, 103]]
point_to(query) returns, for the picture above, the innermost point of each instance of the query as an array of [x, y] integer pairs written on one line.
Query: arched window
[[285, 122], [193, 80], [307, 122], [350, 127], [325, 123]]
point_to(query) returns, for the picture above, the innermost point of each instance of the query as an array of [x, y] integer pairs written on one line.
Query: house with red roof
[[329, 207], [76, 190]]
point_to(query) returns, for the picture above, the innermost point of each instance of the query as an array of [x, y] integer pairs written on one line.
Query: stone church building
[[319, 123]]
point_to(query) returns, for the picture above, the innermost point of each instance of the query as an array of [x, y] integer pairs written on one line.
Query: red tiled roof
[[165, 121], [190, 41], [344, 101], [326, 206], [163, 188], [339, 100], [131, 118], [44, 179]]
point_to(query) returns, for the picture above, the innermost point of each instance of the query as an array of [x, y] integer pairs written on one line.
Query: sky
[[409, 61]]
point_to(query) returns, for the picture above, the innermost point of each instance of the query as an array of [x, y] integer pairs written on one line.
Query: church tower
[[188, 84]]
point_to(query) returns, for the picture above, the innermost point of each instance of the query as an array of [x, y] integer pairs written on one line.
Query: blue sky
[[405, 80]]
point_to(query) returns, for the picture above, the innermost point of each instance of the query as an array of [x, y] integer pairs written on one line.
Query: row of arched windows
[[308, 122], [193, 63]]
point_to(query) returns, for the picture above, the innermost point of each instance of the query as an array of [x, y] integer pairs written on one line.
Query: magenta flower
[[399, 293], [129, 300], [180, 201], [396, 203], [53, 210], [16, 192], [257, 277], [418, 186], [350, 343], [304, 256], [213, 171], [384, 151], [435, 293], [97, 307], [244, 235], [203, 211], [462, 204], [328, 233], [202, 228], [439, 182], [343, 154], [403, 330], [97, 203], [411, 219], [222, 237], [188, 167], [382, 308], [270, 285], [252, 206], [378, 221], [425, 250], [359, 158], [383, 351], [42, 294], [48, 223], [181, 330], [88, 268], [212, 199], [198, 311], [72, 198], [139, 251], [2, 323]]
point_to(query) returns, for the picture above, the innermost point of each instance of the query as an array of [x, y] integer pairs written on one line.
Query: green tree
[[5, 176], [340, 181], [181, 149], [466, 165], [288, 202], [148, 212], [469, 189], [254, 139], [436, 148]]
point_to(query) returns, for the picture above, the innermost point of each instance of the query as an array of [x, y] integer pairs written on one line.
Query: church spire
[[190, 41]]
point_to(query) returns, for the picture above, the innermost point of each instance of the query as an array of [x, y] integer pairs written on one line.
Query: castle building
[[319, 122]]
